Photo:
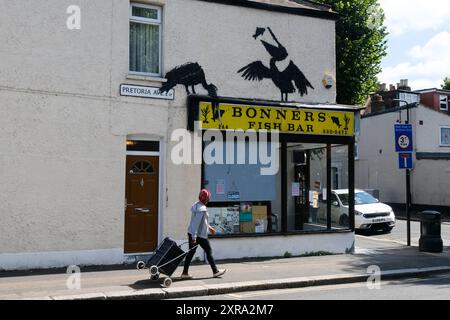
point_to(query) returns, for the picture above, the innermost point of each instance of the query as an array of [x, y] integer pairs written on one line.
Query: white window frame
[[440, 136], [155, 22], [440, 103]]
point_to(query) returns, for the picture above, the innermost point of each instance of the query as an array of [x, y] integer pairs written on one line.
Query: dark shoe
[[219, 273]]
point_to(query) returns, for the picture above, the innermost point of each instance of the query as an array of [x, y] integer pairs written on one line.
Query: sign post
[[404, 147]]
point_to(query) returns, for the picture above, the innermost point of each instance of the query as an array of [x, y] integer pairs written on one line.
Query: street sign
[[405, 160], [403, 138]]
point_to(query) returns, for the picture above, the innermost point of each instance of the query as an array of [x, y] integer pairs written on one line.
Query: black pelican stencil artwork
[[189, 75], [284, 80], [336, 121]]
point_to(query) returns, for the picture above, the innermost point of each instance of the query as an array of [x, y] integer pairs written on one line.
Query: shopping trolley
[[165, 261]]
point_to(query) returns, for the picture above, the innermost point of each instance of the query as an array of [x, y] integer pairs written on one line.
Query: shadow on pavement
[[368, 233], [59, 271], [150, 284], [398, 258]]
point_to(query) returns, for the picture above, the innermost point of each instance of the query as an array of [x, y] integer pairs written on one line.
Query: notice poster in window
[[296, 189], [233, 213], [317, 185], [220, 187], [314, 199], [215, 219], [234, 195], [260, 218], [246, 213], [223, 219]]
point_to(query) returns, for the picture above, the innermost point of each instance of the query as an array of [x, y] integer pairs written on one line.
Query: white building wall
[[377, 167], [431, 178], [263, 247], [64, 125]]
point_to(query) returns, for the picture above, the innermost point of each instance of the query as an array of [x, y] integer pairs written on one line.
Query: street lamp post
[[408, 184]]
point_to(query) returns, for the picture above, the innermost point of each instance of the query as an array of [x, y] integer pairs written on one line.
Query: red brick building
[[436, 99]]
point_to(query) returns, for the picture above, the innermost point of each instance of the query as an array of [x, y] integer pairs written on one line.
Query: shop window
[[445, 136], [243, 200], [315, 216], [307, 201], [246, 202], [335, 177], [145, 39], [443, 103], [300, 197]]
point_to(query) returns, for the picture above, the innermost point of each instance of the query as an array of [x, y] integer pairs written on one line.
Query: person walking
[[198, 235]]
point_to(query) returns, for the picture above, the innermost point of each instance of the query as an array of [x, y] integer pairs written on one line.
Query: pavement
[[394, 262], [385, 252]]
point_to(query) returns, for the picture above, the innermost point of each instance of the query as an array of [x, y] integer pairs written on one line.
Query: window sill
[[146, 78]]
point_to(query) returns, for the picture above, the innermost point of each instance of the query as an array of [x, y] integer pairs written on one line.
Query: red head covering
[[204, 196]]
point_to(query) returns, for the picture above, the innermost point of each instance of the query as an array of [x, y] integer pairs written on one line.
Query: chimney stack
[[404, 85], [391, 87], [377, 103]]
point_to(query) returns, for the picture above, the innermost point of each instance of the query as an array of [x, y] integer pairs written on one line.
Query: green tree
[[446, 85], [361, 44]]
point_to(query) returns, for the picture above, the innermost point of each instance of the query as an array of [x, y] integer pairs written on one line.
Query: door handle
[[142, 210]]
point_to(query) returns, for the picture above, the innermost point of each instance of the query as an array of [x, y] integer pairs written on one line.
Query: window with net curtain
[[445, 136], [145, 39]]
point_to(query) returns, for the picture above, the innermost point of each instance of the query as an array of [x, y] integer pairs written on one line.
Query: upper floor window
[[409, 97], [445, 137], [443, 103], [145, 39]]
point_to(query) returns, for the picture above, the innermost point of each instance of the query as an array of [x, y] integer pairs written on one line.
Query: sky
[[419, 42]]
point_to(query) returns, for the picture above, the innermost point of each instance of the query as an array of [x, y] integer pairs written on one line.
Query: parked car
[[370, 213]]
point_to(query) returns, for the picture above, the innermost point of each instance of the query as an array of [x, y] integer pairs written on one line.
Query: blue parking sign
[[405, 160], [403, 138]]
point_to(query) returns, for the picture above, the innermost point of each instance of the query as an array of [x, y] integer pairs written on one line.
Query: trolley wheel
[[167, 282], [140, 265], [155, 277], [154, 270]]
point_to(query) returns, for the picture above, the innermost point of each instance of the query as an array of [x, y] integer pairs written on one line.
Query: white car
[[370, 213]]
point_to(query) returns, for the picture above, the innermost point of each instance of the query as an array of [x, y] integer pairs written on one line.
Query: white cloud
[[437, 47], [428, 65], [404, 16]]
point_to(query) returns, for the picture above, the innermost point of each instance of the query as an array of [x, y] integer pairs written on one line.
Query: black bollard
[[430, 232]]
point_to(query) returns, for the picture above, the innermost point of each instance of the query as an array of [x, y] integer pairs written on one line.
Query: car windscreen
[[360, 198]]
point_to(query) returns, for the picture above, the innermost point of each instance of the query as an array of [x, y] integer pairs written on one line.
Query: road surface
[[431, 288]]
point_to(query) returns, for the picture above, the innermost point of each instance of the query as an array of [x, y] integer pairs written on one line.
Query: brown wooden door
[[141, 213]]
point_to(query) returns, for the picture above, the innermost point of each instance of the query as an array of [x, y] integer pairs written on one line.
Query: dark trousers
[[206, 246]]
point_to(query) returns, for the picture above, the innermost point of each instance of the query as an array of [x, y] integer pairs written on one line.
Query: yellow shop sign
[[284, 120]]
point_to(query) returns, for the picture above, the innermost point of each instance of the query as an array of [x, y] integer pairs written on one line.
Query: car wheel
[[343, 221], [388, 229]]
